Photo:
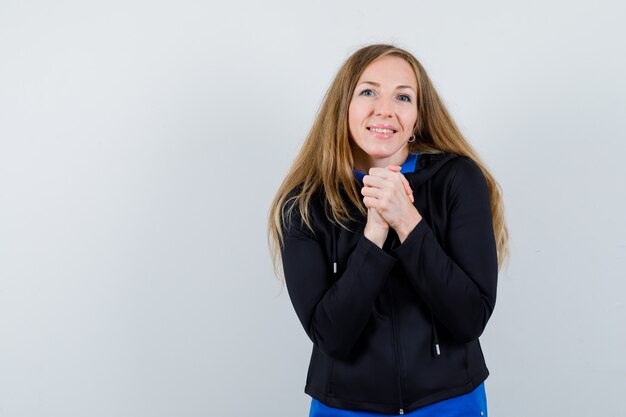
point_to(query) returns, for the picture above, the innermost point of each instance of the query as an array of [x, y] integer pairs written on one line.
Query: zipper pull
[[401, 411]]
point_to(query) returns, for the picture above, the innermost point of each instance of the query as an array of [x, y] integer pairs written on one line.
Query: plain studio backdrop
[[141, 143]]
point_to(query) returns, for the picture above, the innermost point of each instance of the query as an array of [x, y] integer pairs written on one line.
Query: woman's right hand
[[376, 228]]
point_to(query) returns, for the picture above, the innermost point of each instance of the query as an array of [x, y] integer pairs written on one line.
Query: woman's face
[[383, 113]]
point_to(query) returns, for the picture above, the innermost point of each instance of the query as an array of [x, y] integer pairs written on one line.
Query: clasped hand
[[389, 200]]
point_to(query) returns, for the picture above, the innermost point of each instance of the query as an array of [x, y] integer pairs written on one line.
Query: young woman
[[391, 233]]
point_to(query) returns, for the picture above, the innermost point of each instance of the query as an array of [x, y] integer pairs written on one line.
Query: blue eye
[[405, 98], [367, 93]]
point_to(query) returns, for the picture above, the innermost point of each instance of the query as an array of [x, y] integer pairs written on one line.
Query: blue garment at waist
[[471, 404]]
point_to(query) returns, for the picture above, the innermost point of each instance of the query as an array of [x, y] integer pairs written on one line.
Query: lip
[[382, 126]]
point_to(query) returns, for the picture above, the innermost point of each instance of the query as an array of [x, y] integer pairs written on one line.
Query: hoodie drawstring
[[437, 351], [334, 249], [435, 335]]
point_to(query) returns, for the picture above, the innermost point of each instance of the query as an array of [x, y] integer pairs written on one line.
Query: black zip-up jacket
[[397, 328]]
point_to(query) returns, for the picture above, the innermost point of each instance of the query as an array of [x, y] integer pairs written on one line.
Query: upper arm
[[470, 237]]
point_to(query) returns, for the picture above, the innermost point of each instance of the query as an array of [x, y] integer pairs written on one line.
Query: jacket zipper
[[396, 350]]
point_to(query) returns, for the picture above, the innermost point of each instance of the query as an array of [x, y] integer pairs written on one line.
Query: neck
[[363, 162]]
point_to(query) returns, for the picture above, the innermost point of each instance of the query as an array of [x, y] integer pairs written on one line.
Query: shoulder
[[459, 179], [460, 170], [293, 222], [466, 184]]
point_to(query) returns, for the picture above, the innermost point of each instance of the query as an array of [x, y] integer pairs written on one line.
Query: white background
[[141, 143]]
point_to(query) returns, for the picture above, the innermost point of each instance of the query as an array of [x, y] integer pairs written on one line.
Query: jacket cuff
[[377, 261], [416, 235], [372, 249]]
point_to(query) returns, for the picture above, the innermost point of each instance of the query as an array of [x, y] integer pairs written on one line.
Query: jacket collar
[[407, 167], [419, 167]]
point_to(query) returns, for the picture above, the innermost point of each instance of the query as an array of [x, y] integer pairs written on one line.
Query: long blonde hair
[[325, 160]]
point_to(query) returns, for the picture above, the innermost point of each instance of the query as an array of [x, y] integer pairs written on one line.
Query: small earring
[[412, 138]]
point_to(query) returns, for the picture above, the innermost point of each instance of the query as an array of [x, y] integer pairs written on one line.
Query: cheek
[[410, 119], [353, 118]]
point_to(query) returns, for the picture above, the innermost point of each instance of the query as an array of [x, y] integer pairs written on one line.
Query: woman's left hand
[[386, 190]]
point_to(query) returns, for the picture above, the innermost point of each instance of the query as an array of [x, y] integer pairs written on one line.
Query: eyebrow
[[378, 85]]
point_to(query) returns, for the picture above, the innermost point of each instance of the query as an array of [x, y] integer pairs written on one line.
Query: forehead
[[390, 70]]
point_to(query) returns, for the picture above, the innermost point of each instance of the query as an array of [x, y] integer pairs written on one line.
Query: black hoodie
[[397, 328]]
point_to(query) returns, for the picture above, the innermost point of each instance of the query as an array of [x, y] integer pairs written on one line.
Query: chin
[[380, 153]]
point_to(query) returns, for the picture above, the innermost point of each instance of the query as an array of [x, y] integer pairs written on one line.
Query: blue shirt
[[408, 166], [471, 404]]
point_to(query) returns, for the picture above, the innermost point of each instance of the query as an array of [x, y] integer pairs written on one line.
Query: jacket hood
[[419, 167], [426, 166]]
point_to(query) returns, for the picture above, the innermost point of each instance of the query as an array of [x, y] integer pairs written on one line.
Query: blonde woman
[[391, 233]]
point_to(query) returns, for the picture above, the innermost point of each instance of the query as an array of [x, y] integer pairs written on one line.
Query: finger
[[373, 181], [381, 172], [407, 188], [405, 184], [370, 202], [377, 183], [372, 192], [397, 168]]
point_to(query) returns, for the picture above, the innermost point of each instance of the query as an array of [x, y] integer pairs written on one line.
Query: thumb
[[405, 182]]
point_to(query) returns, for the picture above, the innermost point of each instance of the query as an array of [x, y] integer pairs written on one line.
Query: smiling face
[[383, 113]]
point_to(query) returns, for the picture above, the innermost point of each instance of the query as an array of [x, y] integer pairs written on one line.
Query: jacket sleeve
[[457, 284], [333, 312]]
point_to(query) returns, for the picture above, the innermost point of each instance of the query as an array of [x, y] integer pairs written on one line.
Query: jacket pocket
[[366, 374], [329, 382]]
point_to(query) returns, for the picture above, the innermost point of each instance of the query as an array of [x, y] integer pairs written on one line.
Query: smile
[[382, 133], [380, 130]]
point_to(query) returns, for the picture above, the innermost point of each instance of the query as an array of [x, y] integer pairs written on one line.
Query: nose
[[384, 107]]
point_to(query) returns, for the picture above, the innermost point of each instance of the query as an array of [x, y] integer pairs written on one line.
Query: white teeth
[[376, 129]]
